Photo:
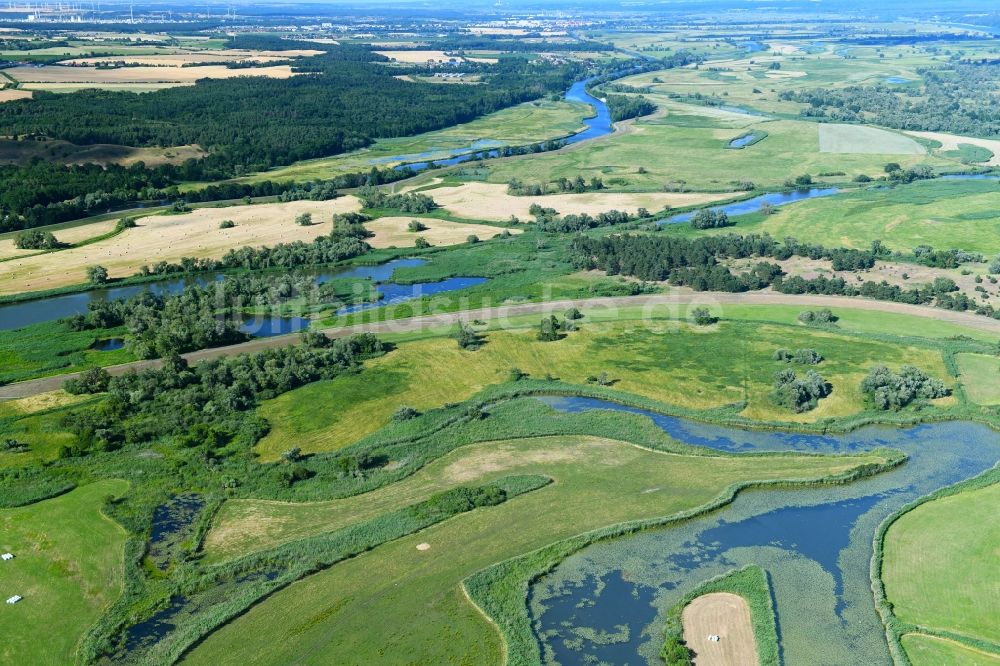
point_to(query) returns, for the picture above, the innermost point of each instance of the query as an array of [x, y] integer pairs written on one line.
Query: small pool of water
[[753, 205], [108, 344], [897, 79], [742, 141], [971, 176], [262, 326], [393, 294]]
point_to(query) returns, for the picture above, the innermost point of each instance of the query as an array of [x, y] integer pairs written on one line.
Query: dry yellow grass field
[[73, 236], [171, 237], [179, 59], [724, 615], [951, 141], [98, 77], [392, 231], [488, 201], [10, 94]]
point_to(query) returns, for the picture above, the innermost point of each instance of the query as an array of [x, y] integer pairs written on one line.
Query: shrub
[[95, 380], [887, 390], [798, 394], [405, 413], [36, 239], [706, 218], [421, 243], [227, 224], [824, 316], [304, 220], [416, 225], [703, 317], [472, 239]]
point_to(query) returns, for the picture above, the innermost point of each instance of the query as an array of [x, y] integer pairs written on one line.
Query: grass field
[[11, 94], [942, 213], [835, 138], [519, 125], [980, 375], [940, 564], [363, 610], [171, 237], [72, 235], [394, 232], [67, 566], [683, 366], [952, 142], [697, 157], [931, 651], [491, 201]]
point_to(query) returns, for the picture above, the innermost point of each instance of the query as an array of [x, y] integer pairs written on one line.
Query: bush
[[97, 274], [421, 243], [887, 390], [416, 225], [472, 239], [824, 316], [799, 395], [703, 317], [801, 356], [468, 338], [227, 224], [95, 380], [36, 239], [706, 218], [405, 413], [304, 220]]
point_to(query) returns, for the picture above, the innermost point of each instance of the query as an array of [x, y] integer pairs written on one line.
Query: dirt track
[[654, 302]]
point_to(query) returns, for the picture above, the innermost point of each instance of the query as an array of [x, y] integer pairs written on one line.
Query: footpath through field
[[502, 312]]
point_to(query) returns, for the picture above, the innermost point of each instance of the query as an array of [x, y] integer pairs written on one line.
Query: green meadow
[[940, 562], [68, 568], [362, 610]]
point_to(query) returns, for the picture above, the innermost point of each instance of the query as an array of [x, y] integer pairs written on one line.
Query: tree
[[227, 224], [573, 313], [472, 239], [36, 239], [767, 208], [703, 317], [405, 413], [516, 374], [421, 243], [94, 380], [467, 337], [304, 220], [292, 454], [707, 218], [97, 274], [549, 329], [416, 225]]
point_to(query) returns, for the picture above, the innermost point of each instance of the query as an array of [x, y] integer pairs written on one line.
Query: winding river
[[607, 602]]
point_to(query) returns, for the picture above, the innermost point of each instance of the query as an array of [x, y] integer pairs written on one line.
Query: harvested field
[[392, 231], [489, 201], [171, 237], [952, 141], [181, 59], [860, 139], [73, 235], [99, 77], [724, 615], [10, 94]]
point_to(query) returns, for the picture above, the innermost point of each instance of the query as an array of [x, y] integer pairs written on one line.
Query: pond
[[16, 315], [753, 205], [108, 344], [743, 141], [897, 79], [814, 543]]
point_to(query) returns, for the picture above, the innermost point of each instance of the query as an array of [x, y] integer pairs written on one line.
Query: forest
[[961, 99]]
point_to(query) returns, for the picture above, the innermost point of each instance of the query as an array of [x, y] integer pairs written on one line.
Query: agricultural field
[[939, 568], [903, 217], [171, 237], [68, 568], [727, 616], [980, 376], [58, 78], [395, 231], [492, 201]]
